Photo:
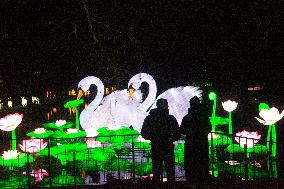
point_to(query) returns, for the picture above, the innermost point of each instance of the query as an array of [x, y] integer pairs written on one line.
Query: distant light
[[24, 101], [255, 88], [35, 100]]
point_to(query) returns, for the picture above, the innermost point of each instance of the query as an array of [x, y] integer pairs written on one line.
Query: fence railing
[[55, 162]]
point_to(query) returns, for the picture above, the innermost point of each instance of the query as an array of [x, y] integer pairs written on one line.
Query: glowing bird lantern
[[9, 123], [32, 145], [10, 154], [10, 103], [247, 138], [75, 104], [270, 117], [39, 174], [230, 106], [35, 100]]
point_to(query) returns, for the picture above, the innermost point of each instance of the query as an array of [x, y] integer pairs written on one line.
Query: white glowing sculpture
[[270, 116], [10, 122], [229, 105], [248, 138], [141, 139], [35, 100], [40, 130], [1, 104], [32, 145], [24, 101], [178, 100], [10, 154], [10, 103], [117, 109], [60, 122], [71, 131]]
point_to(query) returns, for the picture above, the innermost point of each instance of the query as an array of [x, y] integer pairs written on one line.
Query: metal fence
[[54, 162]]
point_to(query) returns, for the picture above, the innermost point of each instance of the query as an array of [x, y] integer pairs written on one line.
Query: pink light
[[10, 121], [32, 145], [248, 138], [38, 174]]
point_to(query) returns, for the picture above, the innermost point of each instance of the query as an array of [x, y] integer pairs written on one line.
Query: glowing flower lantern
[[59, 123], [72, 131], [32, 145], [9, 123], [269, 117], [10, 154], [230, 106], [247, 138], [40, 130], [38, 174], [93, 143], [75, 104]]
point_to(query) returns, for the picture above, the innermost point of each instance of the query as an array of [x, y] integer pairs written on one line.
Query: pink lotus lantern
[[10, 122], [38, 174], [248, 138], [32, 145], [269, 116]]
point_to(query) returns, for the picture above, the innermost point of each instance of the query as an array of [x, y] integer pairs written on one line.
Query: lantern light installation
[[270, 117], [32, 145], [10, 154], [230, 106], [9, 123]]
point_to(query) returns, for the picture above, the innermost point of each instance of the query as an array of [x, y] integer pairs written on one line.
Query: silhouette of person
[[162, 129], [196, 126]]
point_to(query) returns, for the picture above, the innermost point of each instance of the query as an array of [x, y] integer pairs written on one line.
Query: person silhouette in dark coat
[[196, 126], [162, 129]]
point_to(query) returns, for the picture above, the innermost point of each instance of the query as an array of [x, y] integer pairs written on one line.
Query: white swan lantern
[[117, 109]]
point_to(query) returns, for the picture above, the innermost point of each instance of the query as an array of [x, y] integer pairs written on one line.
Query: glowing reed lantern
[[32, 145]]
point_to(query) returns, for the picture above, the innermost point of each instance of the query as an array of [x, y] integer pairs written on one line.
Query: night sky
[[51, 44]]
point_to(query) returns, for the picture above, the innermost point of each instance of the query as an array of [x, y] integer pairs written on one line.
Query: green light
[[75, 104], [212, 96], [262, 106]]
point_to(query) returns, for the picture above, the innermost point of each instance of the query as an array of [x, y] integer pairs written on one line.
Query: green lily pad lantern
[[74, 104]]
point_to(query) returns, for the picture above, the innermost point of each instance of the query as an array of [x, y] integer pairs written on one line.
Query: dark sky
[[48, 43]]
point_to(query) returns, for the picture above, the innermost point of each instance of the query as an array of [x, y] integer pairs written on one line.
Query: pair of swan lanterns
[[126, 107]]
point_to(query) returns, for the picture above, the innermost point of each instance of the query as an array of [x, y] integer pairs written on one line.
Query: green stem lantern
[[75, 104], [212, 96]]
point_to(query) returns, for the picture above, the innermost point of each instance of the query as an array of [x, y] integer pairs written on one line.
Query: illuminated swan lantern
[[117, 109]]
